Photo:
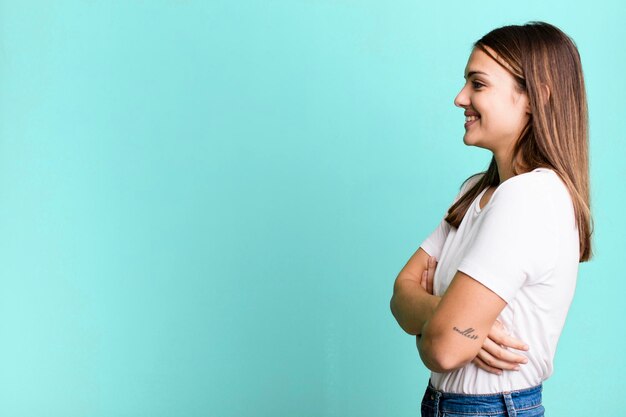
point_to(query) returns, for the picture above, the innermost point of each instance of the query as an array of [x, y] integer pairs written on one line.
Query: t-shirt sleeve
[[433, 244], [516, 239]]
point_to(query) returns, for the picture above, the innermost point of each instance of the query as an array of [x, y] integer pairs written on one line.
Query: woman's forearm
[[412, 305]]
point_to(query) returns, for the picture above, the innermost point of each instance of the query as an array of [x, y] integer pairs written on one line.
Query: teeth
[[471, 118]]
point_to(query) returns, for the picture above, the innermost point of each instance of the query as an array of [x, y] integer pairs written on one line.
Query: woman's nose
[[461, 99]]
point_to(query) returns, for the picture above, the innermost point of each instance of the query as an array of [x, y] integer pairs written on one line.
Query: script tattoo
[[467, 332]]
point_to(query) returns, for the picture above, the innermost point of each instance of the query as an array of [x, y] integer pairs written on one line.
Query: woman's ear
[[544, 94]]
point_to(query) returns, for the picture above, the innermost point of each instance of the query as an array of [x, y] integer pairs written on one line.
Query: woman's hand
[[493, 357], [428, 276]]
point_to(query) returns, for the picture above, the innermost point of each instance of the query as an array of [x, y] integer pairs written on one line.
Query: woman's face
[[490, 93]]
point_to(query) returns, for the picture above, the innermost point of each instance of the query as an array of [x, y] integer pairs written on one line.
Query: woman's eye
[[476, 84]]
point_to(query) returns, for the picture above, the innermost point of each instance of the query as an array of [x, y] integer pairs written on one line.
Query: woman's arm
[[457, 329], [494, 356], [411, 304]]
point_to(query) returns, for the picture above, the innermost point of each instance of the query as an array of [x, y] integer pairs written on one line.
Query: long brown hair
[[557, 133]]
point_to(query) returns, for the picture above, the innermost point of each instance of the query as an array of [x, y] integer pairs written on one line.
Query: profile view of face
[[499, 111]]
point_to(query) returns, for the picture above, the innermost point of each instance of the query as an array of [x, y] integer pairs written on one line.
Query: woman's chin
[[477, 144], [473, 140], [468, 140]]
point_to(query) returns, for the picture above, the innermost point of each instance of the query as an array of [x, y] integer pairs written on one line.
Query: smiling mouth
[[470, 120]]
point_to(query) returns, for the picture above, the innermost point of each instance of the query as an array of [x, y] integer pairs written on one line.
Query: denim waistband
[[504, 402]]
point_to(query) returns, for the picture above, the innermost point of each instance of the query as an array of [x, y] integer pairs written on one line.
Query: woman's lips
[[467, 124]]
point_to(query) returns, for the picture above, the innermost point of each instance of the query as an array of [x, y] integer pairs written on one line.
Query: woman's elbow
[[438, 356]]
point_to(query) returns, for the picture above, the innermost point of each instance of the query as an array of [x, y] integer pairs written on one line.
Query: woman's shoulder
[[541, 190], [543, 183]]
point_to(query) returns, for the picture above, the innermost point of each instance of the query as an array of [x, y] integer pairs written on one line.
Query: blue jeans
[[520, 403]]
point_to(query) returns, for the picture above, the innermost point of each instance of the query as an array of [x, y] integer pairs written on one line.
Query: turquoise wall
[[204, 204]]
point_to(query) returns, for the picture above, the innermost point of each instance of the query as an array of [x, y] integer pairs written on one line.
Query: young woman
[[488, 315]]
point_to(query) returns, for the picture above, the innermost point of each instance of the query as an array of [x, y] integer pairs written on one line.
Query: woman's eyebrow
[[469, 74]]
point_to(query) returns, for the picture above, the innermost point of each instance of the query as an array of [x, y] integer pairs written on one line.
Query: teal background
[[204, 205]]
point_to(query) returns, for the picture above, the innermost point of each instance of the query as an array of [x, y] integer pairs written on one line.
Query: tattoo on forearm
[[467, 332]]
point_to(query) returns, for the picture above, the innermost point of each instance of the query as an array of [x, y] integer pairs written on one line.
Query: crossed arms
[[456, 329]]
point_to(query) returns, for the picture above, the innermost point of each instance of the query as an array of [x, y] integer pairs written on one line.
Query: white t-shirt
[[523, 246]]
